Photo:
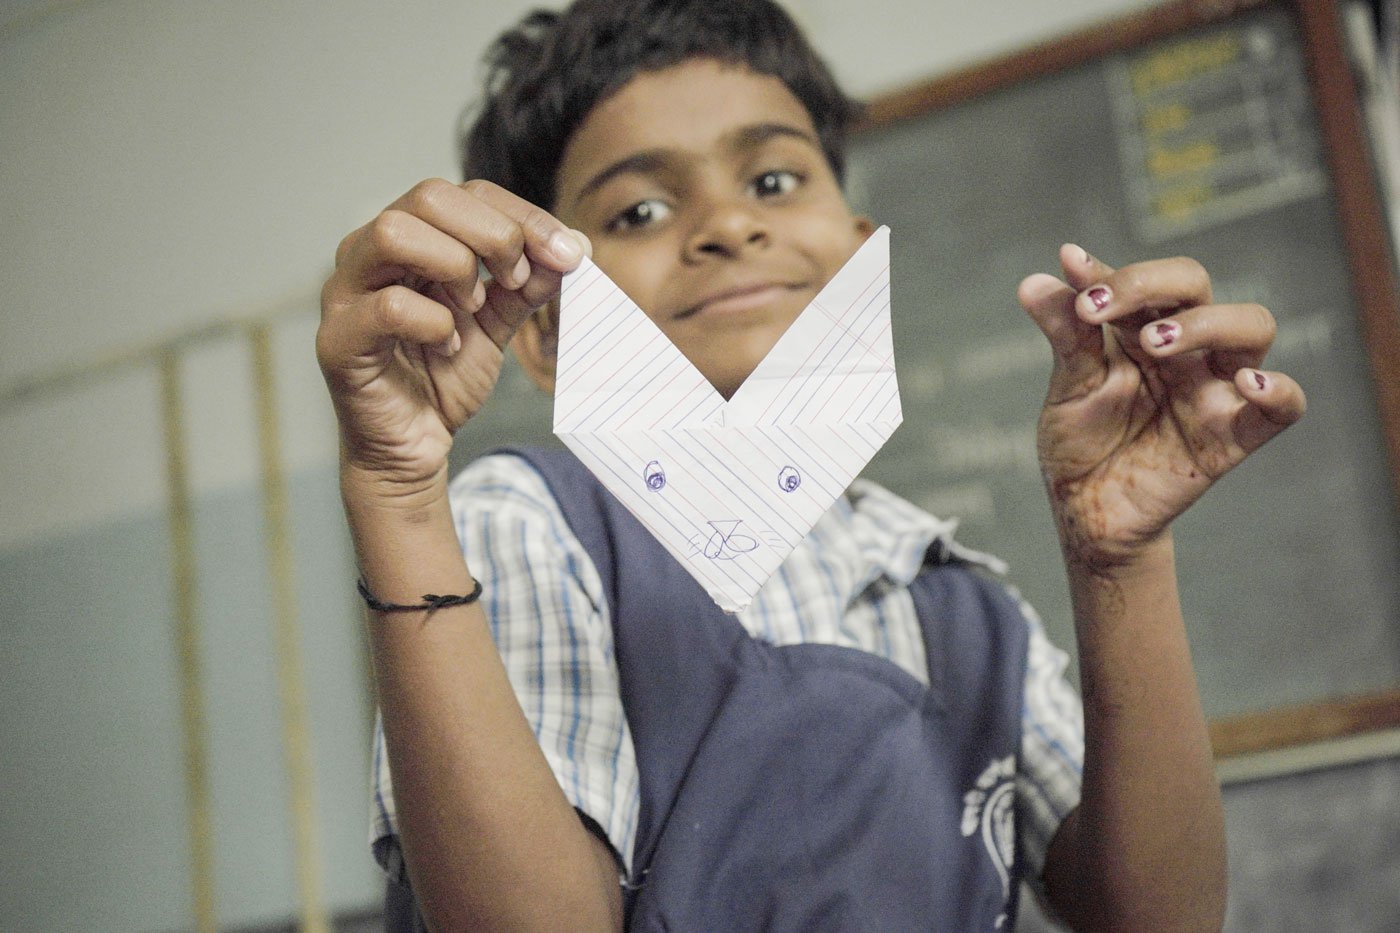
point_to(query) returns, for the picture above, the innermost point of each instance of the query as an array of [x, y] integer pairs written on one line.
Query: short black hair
[[546, 75]]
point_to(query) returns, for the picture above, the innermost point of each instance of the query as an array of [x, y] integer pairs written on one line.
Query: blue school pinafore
[[804, 787]]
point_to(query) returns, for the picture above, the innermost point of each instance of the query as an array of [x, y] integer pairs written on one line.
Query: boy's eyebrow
[[751, 137], [651, 161]]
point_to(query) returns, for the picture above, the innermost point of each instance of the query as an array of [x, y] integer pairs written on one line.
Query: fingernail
[[1100, 296], [565, 247], [450, 347], [1041, 285], [1162, 334], [521, 273], [478, 295]]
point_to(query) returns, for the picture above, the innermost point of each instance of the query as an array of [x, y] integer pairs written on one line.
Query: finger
[[548, 240], [457, 299], [504, 230], [506, 309], [521, 246], [504, 312], [1233, 336], [484, 231], [394, 314], [1273, 401], [1132, 296], [1078, 347], [345, 245], [397, 244], [1081, 268]]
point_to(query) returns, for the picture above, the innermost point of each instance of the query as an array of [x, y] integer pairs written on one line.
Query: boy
[[539, 739]]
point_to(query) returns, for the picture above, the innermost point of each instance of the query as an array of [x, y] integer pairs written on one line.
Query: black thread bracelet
[[430, 601]]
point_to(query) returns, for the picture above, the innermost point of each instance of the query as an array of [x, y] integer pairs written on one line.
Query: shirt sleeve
[[549, 618], [1052, 749]]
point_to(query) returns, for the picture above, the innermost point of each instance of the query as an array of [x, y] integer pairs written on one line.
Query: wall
[[165, 165]]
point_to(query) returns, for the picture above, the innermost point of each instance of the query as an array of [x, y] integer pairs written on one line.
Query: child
[[883, 740]]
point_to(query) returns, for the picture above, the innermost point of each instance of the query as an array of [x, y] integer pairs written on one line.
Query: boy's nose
[[726, 231]]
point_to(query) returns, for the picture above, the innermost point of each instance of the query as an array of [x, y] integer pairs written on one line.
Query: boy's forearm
[[489, 838], [1146, 848]]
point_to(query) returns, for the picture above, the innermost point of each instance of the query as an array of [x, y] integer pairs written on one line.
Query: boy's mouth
[[740, 299]]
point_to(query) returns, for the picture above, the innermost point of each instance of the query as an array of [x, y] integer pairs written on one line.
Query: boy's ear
[[536, 345]]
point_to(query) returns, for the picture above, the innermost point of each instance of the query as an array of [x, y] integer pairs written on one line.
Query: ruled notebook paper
[[729, 488]]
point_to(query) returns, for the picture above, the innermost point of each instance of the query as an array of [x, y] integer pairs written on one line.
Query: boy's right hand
[[411, 338]]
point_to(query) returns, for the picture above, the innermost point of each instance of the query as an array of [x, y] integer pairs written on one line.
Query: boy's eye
[[775, 182], [640, 214]]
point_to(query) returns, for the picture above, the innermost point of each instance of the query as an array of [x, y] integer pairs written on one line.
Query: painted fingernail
[[1162, 334], [1260, 381], [565, 248], [1100, 296]]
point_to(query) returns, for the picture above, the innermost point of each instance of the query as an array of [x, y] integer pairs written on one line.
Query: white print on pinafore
[[989, 808]]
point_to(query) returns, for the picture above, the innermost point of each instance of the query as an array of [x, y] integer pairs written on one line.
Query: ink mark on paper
[[654, 476], [789, 479], [726, 543]]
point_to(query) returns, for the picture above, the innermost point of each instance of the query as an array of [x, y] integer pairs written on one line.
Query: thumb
[[1081, 268]]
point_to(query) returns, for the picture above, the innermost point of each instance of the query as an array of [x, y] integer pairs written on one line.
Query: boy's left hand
[[1155, 394]]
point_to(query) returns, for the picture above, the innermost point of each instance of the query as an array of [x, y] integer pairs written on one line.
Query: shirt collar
[[897, 538]]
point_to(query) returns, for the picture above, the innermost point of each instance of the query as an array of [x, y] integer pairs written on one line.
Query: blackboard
[[1204, 142], [1172, 132]]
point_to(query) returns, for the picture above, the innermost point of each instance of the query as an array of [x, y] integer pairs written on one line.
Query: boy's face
[[708, 200]]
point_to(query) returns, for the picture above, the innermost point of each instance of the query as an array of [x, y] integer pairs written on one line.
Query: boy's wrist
[[370, 490], [1121, 563], [404, 535], [1147, 572]]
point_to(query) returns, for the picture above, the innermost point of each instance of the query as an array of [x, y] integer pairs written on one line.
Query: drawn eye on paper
[[789, 479], [727, 543], [654, 476]]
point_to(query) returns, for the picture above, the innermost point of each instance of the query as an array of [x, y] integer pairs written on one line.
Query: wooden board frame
[[1364, 235]]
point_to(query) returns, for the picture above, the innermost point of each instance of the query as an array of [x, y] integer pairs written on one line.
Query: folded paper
[[729, 488]]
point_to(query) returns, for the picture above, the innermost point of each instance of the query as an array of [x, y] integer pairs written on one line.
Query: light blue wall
[[92, 766], [90, 758]]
